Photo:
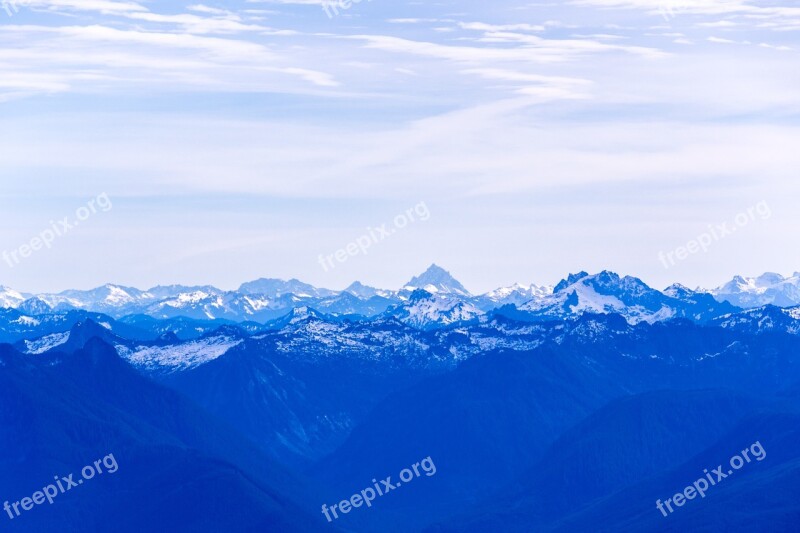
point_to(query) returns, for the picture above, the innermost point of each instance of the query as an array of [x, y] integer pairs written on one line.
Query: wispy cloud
[[508, 101]]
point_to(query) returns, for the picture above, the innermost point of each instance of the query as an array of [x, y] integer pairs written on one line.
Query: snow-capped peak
[[436, 280], [366, 292], [424, 309], [10, 297], [527, 291], [768, 288], [605, 292], [676, 290], [275, 288]]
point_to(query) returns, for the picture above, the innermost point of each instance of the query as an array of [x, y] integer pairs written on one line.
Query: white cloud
[[531, 49], [107, 7], [125, 58], [399, 102], [481, 26]]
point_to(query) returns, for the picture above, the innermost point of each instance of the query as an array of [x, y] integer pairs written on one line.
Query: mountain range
[[433, 293], [572, 408], [531, 424]]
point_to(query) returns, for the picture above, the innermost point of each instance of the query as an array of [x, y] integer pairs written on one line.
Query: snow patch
[[26, 321], [48, 342], [178, 357]]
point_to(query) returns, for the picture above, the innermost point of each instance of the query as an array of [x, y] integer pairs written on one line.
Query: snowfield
[[46, 343], [180, 356]]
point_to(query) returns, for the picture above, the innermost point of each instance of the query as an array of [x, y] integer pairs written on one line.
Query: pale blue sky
[[244, 139]]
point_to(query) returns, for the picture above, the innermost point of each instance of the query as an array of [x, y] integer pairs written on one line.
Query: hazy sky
[[237, 140]]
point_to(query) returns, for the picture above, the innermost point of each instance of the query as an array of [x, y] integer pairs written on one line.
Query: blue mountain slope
[[531, 425], [297, 404], [60, 412], [763, 496], [183, 327], [496, 415], [629, 439], [16, 326], [482, 424], [762, 319]]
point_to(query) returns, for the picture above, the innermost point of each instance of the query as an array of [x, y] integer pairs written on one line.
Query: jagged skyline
[[763, 279], [435, 292]]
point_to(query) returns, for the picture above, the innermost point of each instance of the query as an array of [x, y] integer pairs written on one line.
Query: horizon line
[[237, 289]]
